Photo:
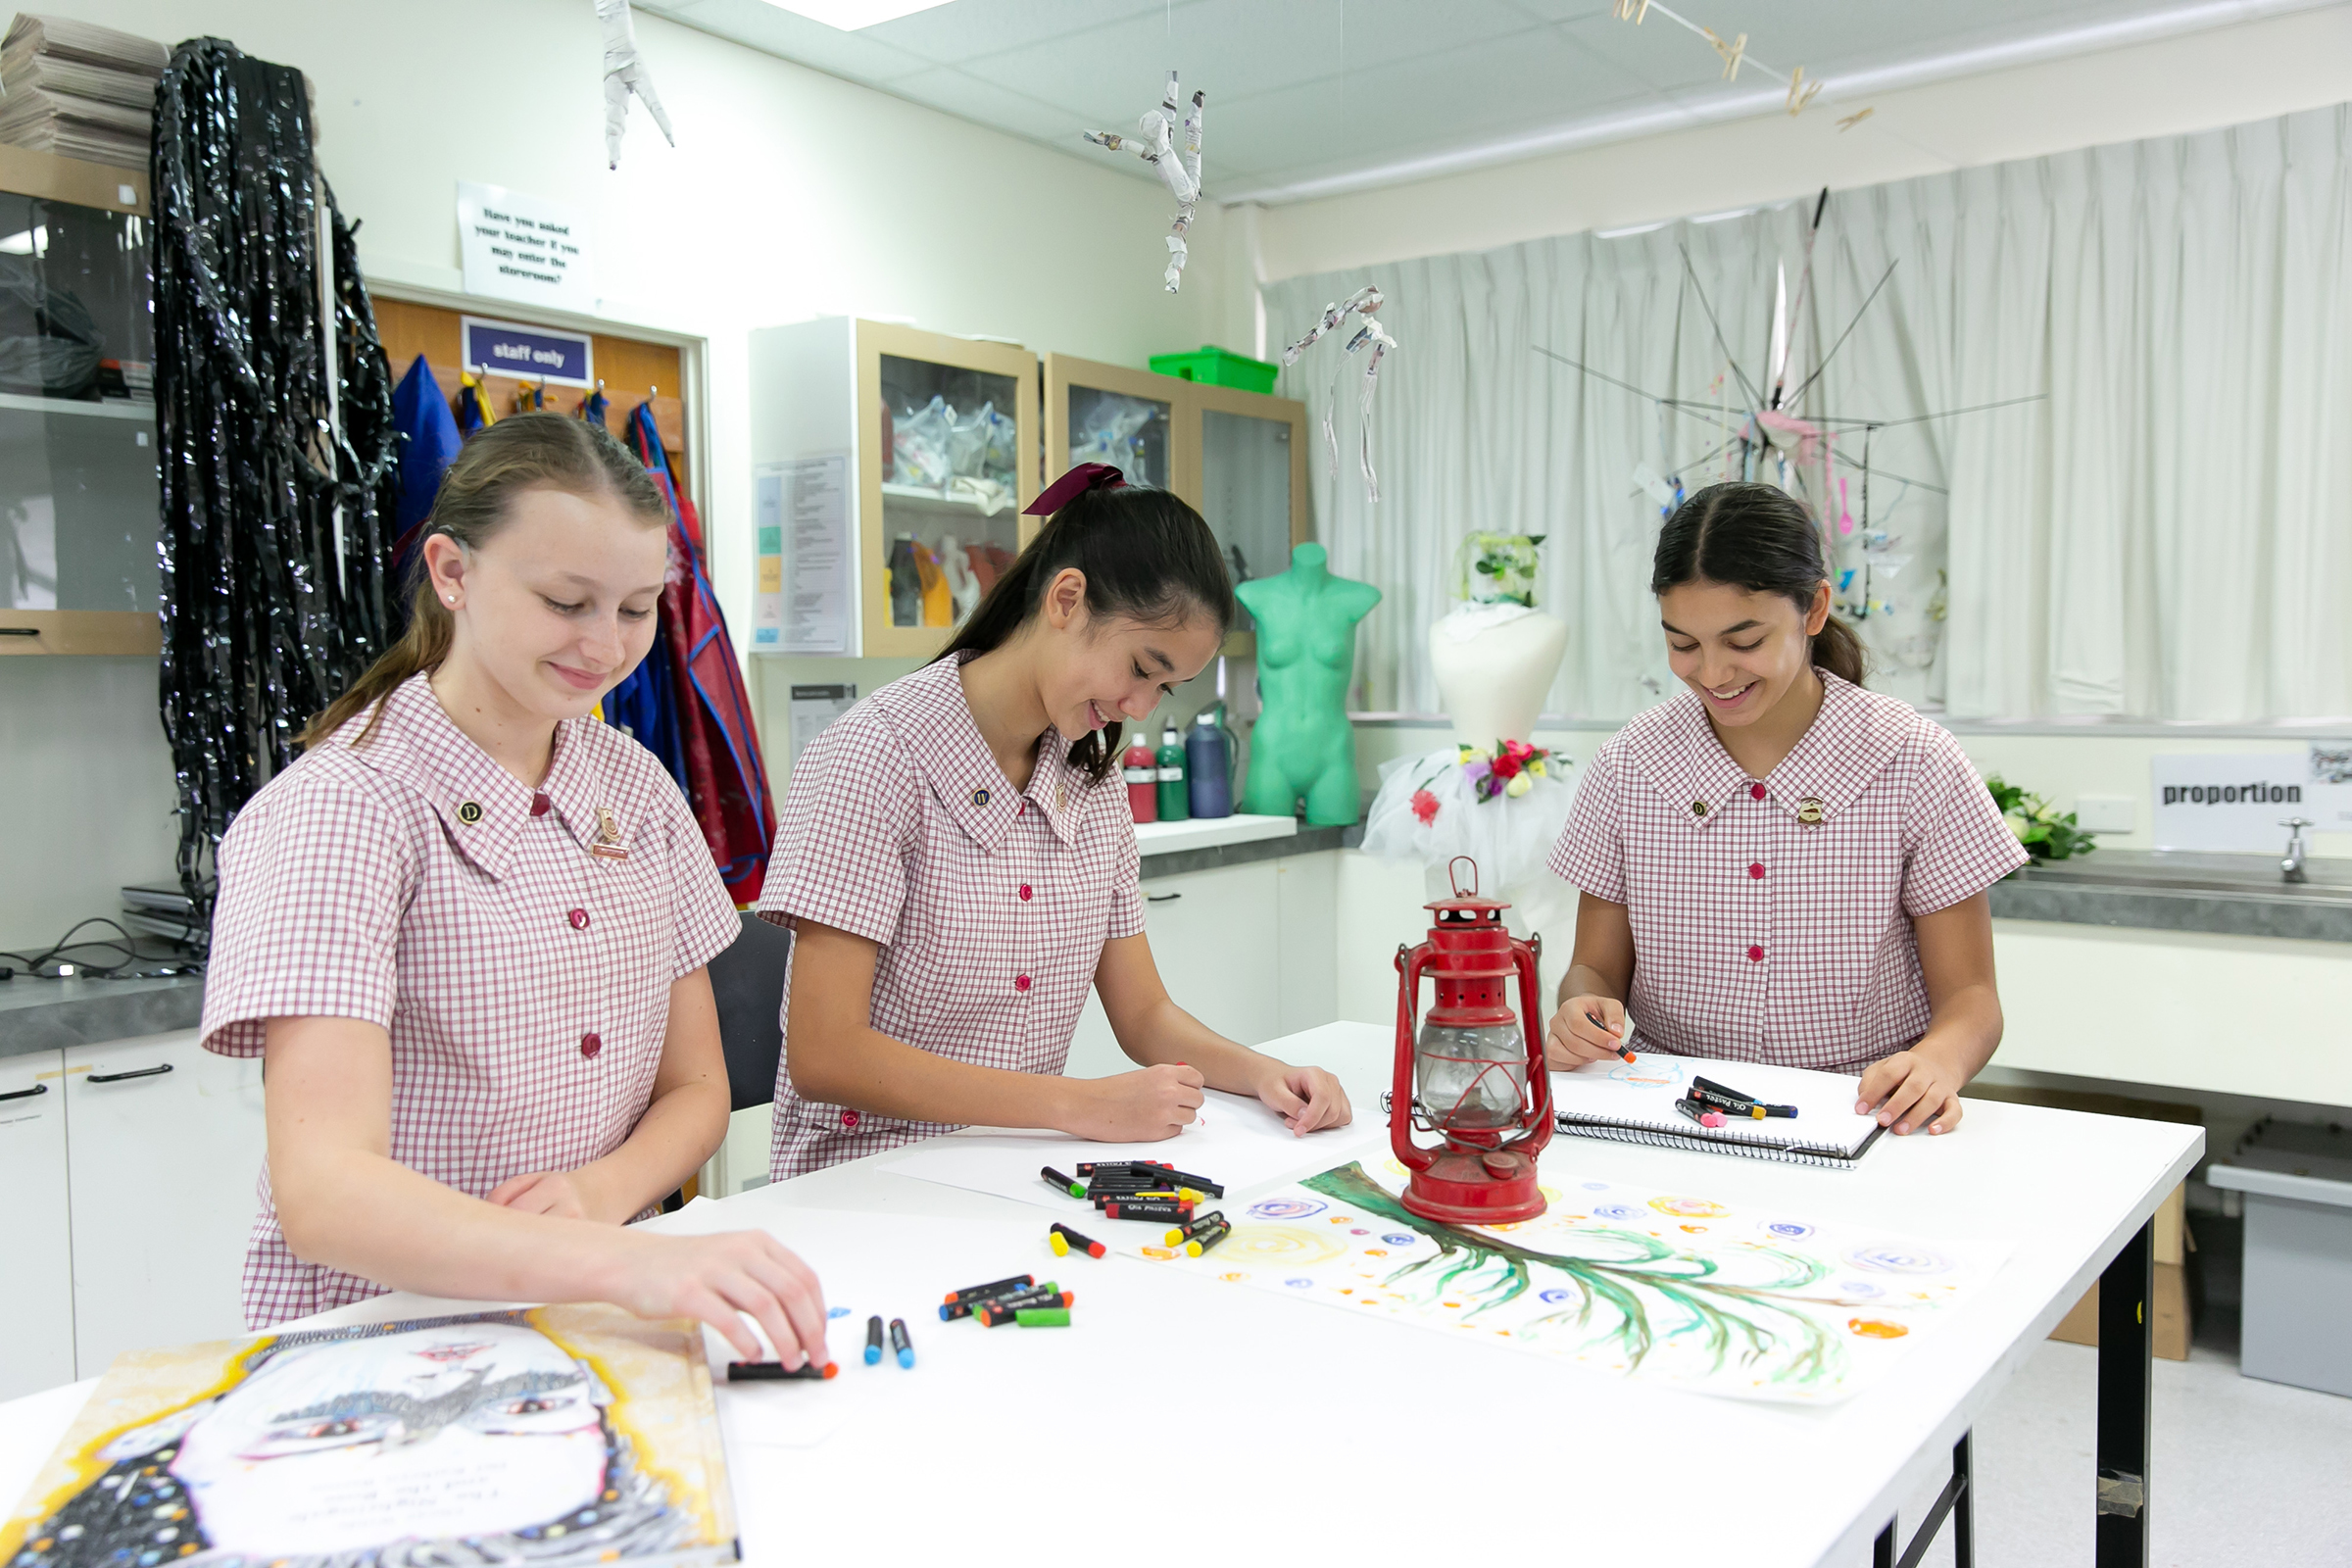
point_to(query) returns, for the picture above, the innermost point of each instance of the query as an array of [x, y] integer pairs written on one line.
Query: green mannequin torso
[[1302, 745]]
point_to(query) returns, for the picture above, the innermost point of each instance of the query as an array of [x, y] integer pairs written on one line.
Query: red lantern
[[1474, 1075]]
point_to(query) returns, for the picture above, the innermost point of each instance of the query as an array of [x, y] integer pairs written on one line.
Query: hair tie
[[1073, 484]]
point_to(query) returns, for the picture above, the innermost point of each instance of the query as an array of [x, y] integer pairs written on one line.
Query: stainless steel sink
[[2190, 871]]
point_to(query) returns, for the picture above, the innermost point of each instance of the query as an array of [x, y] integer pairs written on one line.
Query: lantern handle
[[1455, 877]]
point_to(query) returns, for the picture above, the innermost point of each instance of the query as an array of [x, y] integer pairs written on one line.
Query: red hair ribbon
[[1073, 484]]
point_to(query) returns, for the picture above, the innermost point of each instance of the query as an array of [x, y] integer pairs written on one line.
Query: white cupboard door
[[1215, 938], [1308, 890], [165, 1140], [36, 1309]]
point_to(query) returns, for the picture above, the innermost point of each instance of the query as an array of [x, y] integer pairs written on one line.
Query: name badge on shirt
[[608, 836]]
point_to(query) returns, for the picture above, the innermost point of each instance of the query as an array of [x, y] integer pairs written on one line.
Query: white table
[[1184, 1421]]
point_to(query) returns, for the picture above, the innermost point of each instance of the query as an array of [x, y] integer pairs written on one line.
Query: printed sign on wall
[[535, 353], [519, 247], [2228, 800]]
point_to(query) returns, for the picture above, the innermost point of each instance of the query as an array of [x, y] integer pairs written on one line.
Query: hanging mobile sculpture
[[1177, 164], [277, 454], [626, 74], [1373, 341]]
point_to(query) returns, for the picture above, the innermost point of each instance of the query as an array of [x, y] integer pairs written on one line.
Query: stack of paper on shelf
[[79, 90]]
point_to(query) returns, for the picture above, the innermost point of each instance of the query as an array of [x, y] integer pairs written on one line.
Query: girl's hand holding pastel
[[1138, 1107], [1306, 1098], [721, 1280], [1585, 1029], [1909, 1089]]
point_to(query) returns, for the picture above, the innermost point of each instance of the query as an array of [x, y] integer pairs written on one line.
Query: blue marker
[[873, 1340], [898, 1341]]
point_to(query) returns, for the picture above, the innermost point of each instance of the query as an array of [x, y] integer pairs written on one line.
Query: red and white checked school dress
[[1772, 917], [413, 882], [991, 904]]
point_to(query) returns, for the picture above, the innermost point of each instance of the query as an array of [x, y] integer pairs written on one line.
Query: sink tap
[[2291, 866]]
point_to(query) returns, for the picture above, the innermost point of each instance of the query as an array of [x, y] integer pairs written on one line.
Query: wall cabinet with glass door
[[78, 488], [938, 441], [1239, 457]]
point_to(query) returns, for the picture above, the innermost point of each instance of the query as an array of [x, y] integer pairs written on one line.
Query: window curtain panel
[[2165, 533]]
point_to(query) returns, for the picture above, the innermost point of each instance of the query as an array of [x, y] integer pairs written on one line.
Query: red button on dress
[[540, 803], [1757, 869], [1756, 955], [1757, 790], [591, 1044], [1024, 893], [1020, 982], [579, 919], [849, 1119]]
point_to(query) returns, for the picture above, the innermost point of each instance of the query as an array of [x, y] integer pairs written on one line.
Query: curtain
[[2164, 531]]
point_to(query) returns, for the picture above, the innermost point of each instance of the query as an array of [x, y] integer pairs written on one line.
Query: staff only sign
[[2228, 800]]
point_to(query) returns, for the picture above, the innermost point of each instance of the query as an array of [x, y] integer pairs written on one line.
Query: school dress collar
[[1848, 744], [935, 719], [483, 809]]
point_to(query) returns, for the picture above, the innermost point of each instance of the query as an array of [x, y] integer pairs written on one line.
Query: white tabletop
[[1179, 1420]]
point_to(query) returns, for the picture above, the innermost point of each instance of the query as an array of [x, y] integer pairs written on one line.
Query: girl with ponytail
[[467, 933], [1778, 865], [956, 860]]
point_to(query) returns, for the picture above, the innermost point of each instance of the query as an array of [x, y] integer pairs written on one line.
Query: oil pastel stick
[[973, 1292], [1150, 1209], [1624, 1046], [899, 1343], [1055, 1179], [1193, 1228], [1070, 1237], [995, 1314], [971, 1306], [1043, 1317], [1704, 1114], [1100, 1166], [777, 1371], [1731, 1105], [1185, 1178], [1202, 1241], [873, 1340]]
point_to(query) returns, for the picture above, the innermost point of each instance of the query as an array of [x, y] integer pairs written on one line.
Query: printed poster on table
[[560, 1436], [1688, 1286]]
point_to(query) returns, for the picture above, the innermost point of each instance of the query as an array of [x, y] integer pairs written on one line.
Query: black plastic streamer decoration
[[264, 622]]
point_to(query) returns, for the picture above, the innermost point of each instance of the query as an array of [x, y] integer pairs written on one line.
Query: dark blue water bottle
[[1209, 764]]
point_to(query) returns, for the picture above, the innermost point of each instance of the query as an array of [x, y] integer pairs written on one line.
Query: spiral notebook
[[1634, 1102]]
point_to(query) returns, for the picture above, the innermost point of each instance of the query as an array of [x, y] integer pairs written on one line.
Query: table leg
[[1964, 1506], [2125, 1363], [1952, 1502]]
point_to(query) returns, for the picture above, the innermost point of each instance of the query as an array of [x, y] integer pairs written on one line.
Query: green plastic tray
[[1215, 366]]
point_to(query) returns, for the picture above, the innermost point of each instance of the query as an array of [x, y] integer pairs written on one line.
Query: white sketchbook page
[[1238, 1144], [1641, 1093]]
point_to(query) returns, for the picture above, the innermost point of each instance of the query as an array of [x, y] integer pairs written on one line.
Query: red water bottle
[[1142, 771]]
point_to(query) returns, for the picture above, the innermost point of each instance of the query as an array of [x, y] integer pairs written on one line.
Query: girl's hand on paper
[[1575, 1039], [721, 1280], [1910, 1090], [1137, 1108], [1306, 1098]]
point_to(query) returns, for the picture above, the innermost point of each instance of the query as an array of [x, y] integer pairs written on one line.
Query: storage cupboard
[[938, 439]]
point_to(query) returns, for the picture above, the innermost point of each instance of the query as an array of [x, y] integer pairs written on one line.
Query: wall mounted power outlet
[[2106, 813]]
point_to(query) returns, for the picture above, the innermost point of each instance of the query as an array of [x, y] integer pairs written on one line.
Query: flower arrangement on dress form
[[1511, 770]]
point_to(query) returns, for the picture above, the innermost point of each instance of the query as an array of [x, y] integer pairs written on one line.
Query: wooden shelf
[[82, 632]]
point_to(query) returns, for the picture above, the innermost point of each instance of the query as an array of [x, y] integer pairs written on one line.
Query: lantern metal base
[[1476, 1187]]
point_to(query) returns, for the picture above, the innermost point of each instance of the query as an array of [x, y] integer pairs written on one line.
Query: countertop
[[48, 1014], [2180, 890]]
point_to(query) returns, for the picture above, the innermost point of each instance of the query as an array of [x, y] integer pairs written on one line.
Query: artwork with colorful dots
[[1709, 1294], [563, 1436]]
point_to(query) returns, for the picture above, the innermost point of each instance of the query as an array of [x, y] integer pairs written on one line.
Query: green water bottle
[[1175, 799]]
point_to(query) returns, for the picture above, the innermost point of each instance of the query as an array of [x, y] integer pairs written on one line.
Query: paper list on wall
[[802, 604]]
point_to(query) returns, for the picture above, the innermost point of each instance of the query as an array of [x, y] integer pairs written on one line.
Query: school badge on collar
[[608, 836], [1809, 812]]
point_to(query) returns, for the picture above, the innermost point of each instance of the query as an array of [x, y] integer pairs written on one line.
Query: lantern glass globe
[[1471, 1079]]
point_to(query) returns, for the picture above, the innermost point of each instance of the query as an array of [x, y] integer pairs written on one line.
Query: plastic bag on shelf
[[969, 441], [921, 444], [1107, 433]]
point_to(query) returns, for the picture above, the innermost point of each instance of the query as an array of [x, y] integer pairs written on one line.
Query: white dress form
[[1494, 665]]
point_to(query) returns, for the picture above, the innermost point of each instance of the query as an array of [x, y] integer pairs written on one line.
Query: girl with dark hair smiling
[[957, 862], [1778, 865]]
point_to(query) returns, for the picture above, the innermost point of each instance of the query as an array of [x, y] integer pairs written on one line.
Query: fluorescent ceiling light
[[851, 15]]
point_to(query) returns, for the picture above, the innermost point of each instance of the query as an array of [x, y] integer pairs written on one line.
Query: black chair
[[747, 982]]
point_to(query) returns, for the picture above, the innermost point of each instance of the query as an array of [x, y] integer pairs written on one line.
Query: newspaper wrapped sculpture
[[626, 74], [1178, 164], [1364, 302]]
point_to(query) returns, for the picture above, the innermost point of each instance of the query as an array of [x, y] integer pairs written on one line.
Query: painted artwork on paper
[[1709, 1294], [556, 1436]]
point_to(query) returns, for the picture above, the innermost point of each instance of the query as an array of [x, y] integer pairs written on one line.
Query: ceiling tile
[[952, 91], [774, 31], [968, 30]]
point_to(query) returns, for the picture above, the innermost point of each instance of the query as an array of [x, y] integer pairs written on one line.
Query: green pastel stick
[[1043, 1317]]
